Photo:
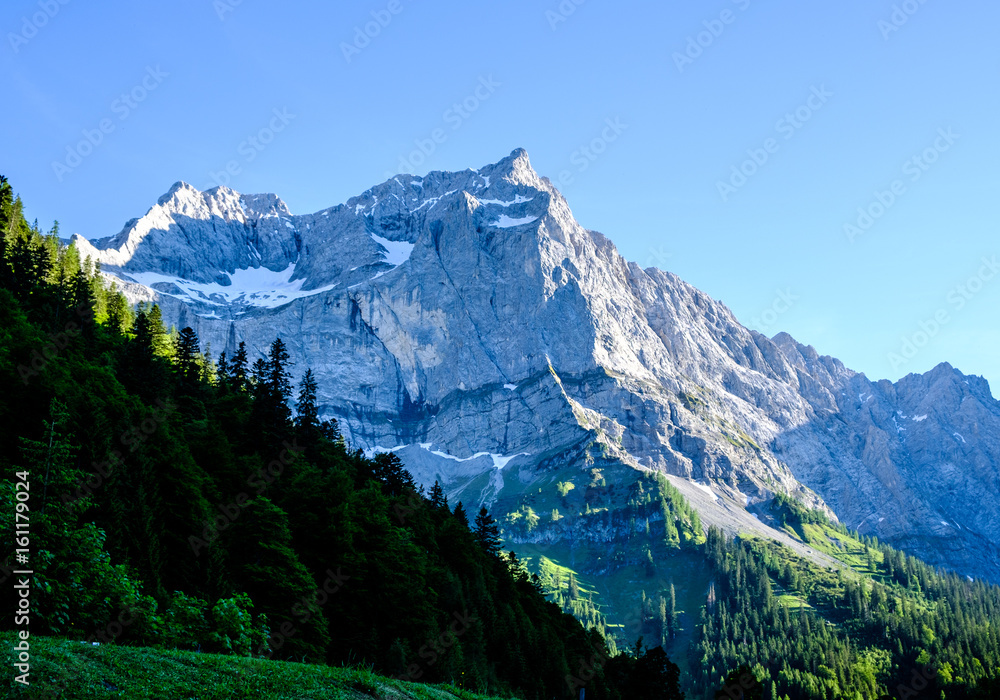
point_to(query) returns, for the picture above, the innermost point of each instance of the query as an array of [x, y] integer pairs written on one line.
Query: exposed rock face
[[468, 321]]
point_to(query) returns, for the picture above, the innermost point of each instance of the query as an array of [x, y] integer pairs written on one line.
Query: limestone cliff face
[[467, 321]]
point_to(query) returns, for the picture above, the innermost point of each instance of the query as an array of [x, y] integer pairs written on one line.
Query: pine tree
[[696, 523], [84, 300], [673, 611], [574, 588], [279, 379], [666, 632], [438, 499], [6, 225], [331, 431], [6, 209], [272, 391], [461, 515], [158, 340], [258, 377], [145, 367], [120, 317], [307, 422], [238, 368], [222, 369], [388, 469], [488, 532], [187, 352]]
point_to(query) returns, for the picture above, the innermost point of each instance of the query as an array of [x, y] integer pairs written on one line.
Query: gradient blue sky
[[774, 249]]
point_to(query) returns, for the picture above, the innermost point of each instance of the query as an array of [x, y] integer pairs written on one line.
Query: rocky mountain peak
[[468, 322]]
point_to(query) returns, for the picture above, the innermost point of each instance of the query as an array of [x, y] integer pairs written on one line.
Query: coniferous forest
[[185, 501]]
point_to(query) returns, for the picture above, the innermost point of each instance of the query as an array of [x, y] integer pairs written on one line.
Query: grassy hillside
[[613, 601], [74, 670]]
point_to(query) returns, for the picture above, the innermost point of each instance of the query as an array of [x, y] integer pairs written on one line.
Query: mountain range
[[467, 322]]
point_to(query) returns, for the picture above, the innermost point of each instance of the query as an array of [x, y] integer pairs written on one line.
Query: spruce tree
[[272, 390], [84, 300], [279, 379], [388, 469], [258, 376], [438, 499], [461, 515], [222, 368], [331, 431], [307, 423], [238, 368], [187, 352], [159, 342], [6, 207], [673, 611], [145, 368], [120, 317], [488, 532]]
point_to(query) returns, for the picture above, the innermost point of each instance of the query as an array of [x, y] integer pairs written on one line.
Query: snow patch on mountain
[[518, 199], [255, 286], [510, 222], [396, 252], [707, 489]]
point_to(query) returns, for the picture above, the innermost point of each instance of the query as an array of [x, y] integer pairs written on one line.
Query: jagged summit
[[201, 247], [468, 322], [179, 186]]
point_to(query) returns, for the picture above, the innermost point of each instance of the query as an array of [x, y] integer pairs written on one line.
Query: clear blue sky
[[875, 96]]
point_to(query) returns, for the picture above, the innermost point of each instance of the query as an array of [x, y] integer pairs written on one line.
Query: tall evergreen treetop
[[438, 499], [238, 368], [278, 376], [307, 421], [461, 515], [488, 532], [188, 355]]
